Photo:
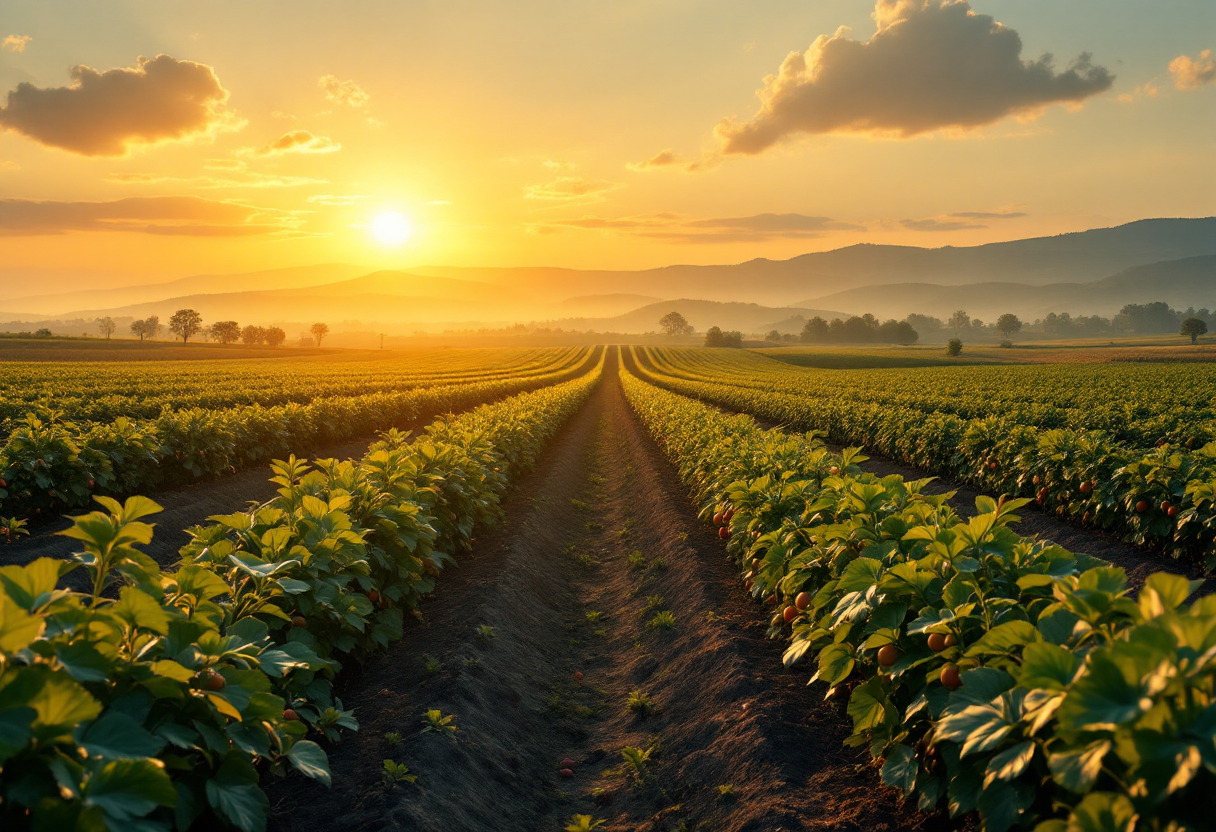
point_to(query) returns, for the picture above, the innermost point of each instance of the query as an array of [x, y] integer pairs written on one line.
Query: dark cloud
[[171, 215], [988, 215], [103, 113], [676, 229], [939, 225], [931, 65]]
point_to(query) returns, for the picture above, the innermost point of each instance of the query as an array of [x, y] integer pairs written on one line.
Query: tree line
[[188, 323]]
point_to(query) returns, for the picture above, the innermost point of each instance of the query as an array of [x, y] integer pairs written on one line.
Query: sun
[[390, 228]]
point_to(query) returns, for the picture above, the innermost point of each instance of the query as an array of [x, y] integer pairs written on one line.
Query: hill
[[702, 314]]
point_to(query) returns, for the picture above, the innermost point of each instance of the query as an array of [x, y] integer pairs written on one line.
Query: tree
[[954, 347], [714, 337], [319, 331], [673, 323], [773, 335], [107, 326], [274, 336], [814, 331], [185, 324], [1143, 318], [1009, 324], [226, 332], [1194, 328], [152, 326], [139, 328], [959, 320], [253, 335]]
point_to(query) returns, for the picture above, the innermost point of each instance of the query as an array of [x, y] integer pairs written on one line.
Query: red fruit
[[1172, 511], [373, 596], [789, 613], [3, 483], [802, 600], [299, 621], [724, 533], [566, 772], [290, 715], [567, 763], [1086, 488], [718, 518], [578, 675], [730, 512], [214, 681], [771, 599], [1142, 506], [950, 677], [951, 640], [1165, 506], [937, 642], [1037, 480], [833, 470], [92, 484], [888, 654], [991, 466]]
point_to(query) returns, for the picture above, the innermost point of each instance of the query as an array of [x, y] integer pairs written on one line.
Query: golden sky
[[155, 140]]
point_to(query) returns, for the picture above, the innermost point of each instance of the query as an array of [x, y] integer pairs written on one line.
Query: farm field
[[1121, 447], [602, 599]]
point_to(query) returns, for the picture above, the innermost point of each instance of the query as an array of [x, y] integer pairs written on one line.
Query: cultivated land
[[599, 576]]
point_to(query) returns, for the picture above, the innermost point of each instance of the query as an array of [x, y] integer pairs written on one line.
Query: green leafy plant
[[638, 702], [583, 823], [392, 737], [394, 773], [663, 620], [434, 721], [485, 632]]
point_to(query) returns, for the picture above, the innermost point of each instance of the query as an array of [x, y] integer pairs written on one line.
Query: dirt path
[[598, 541]]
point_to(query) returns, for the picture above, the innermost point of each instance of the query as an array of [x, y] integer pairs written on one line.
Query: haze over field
[[793, 159]]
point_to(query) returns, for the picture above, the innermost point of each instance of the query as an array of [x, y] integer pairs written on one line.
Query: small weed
[[594, 615], [637, 762], [711, 616], [594, 527], [432, 664], [583, 823], [654, 602], [485, 632], [726, 791], [434, 721], [681, 536], [636, 560], [569, 549], [394, 773], [582, 506], [626, 530], [392, 737], [659, 564], [472, 661], [663, 620], [639, 703]]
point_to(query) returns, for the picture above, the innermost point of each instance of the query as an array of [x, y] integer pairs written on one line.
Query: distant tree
[[714, 337], [954, 347], [897, 332], [815, 331], [1009, 324], [1193, 327], [733, 338], [1147, 318], [152, 326], [673, 323], [139, 328], [226, 332], [319, 331], [185, 324], [924, 324], [44, 332], [959, 320], [106, 326], [773, 335], [251, 335], [274, 336]]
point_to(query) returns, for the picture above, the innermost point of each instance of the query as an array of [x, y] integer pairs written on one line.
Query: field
[[627, 589]]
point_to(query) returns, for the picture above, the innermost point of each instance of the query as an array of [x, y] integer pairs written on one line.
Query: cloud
[[988, 215], [567, 188], [662, 159], [240, 179], [1147, 90], [344, 92], [104, 113], [298, 141], [1192, 74], [931, 65], [15, 43], [676, 229], [8, 164], [337, 200], [166, 215], [940, 225]]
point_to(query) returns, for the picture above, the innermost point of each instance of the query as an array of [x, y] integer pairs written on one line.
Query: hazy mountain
[[702, 314], [1074, 258], [1181, 283], [63, 302]]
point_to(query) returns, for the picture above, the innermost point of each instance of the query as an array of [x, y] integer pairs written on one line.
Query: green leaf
[[60, 703], [126, 789], [1103, 812], [310, 760], [1010, 763], [83, 661], [900, 768], [1102, 698], [1163, 592], [236, 798], [1004, 639], [835, 663], [28, 584], [1047, 666], [18, 628], [796, 650], [1078, 769], [139, 609], [117, 736], [868, 705], [860, 575], [15, 730]]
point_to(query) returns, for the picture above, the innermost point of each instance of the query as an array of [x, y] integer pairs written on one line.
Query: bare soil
[[597, 541]]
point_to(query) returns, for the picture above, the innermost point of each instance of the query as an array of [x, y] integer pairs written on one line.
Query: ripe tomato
[[299, 621], [290, 715], [790, 613], [937, 642], [724, 533], [1142, 506], [214, 681], [802, 600], [950, 677], [888, 654], [951, 640]]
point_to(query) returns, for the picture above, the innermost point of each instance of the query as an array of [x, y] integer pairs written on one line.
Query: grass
[[432, 664], [663, 620], [636, 559], [639, 703]]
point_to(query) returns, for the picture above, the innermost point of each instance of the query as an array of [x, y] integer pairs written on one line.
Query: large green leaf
[[310, 760], [1047, 666], [234, 794], [1010, 763], [115, 735], [15, 730], [31, 584], [60, 703], [1103, 812], [900, 768], [1004, 639], [1103, 698], [18, 628], [126, 789], [835, 663], [139, 609], [1077, 769]]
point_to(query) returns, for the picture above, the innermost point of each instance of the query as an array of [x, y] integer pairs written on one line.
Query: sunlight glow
[[391, 229]]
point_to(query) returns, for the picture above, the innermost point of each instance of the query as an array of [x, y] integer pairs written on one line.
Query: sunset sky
[[147, 141]]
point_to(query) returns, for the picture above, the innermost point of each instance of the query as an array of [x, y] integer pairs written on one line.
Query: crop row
[[988, 672], [161, 698], [1164, 497], [98, 392], [48, 465], [1136, 404]]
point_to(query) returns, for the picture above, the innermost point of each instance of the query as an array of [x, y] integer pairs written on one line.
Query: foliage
[[1193, 328], [185, 324], [319, 331], [715, 337], [673, 323], [954, 347], [1020, 681]]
